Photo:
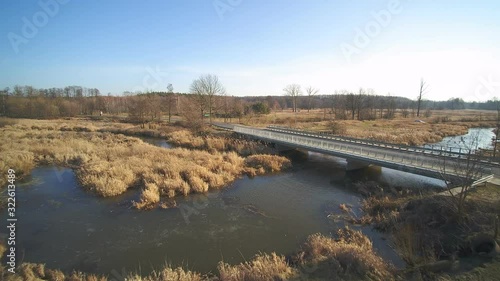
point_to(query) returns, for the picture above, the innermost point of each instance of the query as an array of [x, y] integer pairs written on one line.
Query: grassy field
[[109, 164], [441, 123]]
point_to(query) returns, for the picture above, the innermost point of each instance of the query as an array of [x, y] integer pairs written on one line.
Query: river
[[65, 227], [474, 139]]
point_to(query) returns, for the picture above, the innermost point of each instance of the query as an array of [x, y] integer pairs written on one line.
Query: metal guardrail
[[380, 155], [439, 151], [482, 180]]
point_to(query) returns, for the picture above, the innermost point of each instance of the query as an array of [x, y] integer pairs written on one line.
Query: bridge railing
[[433, 150], [347, 149]]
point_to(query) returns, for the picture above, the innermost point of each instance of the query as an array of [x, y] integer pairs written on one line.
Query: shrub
[[337, 128], [350, 257]]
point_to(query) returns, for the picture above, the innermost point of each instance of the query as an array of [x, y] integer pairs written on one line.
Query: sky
[[255, 47]]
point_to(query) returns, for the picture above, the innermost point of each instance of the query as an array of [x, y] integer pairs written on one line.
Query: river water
[[474, 139], [65, 227]]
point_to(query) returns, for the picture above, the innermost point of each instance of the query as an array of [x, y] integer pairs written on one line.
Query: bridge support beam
[[356, 165], [283, 148]]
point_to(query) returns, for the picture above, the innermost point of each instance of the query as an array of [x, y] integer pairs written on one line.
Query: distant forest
[[29, 102]]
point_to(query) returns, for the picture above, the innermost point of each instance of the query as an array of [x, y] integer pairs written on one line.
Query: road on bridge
[[423, 161]]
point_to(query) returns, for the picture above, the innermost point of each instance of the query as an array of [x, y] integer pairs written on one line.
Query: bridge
[[436, 162]]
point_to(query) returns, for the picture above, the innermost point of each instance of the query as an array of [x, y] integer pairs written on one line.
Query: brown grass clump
[[169, 274], [36, 272], [345, 208], [185, 138], [106, 178], [261, 164], [216, 143], [263, 267], [149, 197], [110, 164], [54, 274], [350, 257]]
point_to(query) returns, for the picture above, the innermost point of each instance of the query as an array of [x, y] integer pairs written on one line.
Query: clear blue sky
[[255, 47]]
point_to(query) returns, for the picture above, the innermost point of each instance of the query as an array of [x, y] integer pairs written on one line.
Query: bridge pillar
[[355, 165], [295, 154], [283, 148]]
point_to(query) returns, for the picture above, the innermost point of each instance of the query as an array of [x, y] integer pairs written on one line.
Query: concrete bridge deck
[[423, 161]]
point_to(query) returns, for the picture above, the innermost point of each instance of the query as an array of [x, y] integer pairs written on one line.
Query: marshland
[[159, 200], [122, 153]]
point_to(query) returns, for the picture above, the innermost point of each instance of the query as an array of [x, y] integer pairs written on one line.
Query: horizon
[[255, 48]]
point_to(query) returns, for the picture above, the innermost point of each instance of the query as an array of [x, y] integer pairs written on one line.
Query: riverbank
[[108, 164], [348, 255], [437, 242]]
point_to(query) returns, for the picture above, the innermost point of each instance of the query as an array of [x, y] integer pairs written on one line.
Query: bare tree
[[170, 100], [207, 88], [137, 109], [421, 93], [191, 107], [497, 129], [198, 98], [293, 91], [352, 104], [459, 173], [311, 92]]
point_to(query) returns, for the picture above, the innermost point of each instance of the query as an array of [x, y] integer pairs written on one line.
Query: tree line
[[208, 98]]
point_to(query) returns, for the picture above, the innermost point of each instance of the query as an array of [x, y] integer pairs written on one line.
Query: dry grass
[[169, 274], [37, 272], [350, 257], [429, 234], [263, 267], [7, 122], [261, 164], [149, 197], [109, 164], [345, 208], [213, 143], [399, 130]]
